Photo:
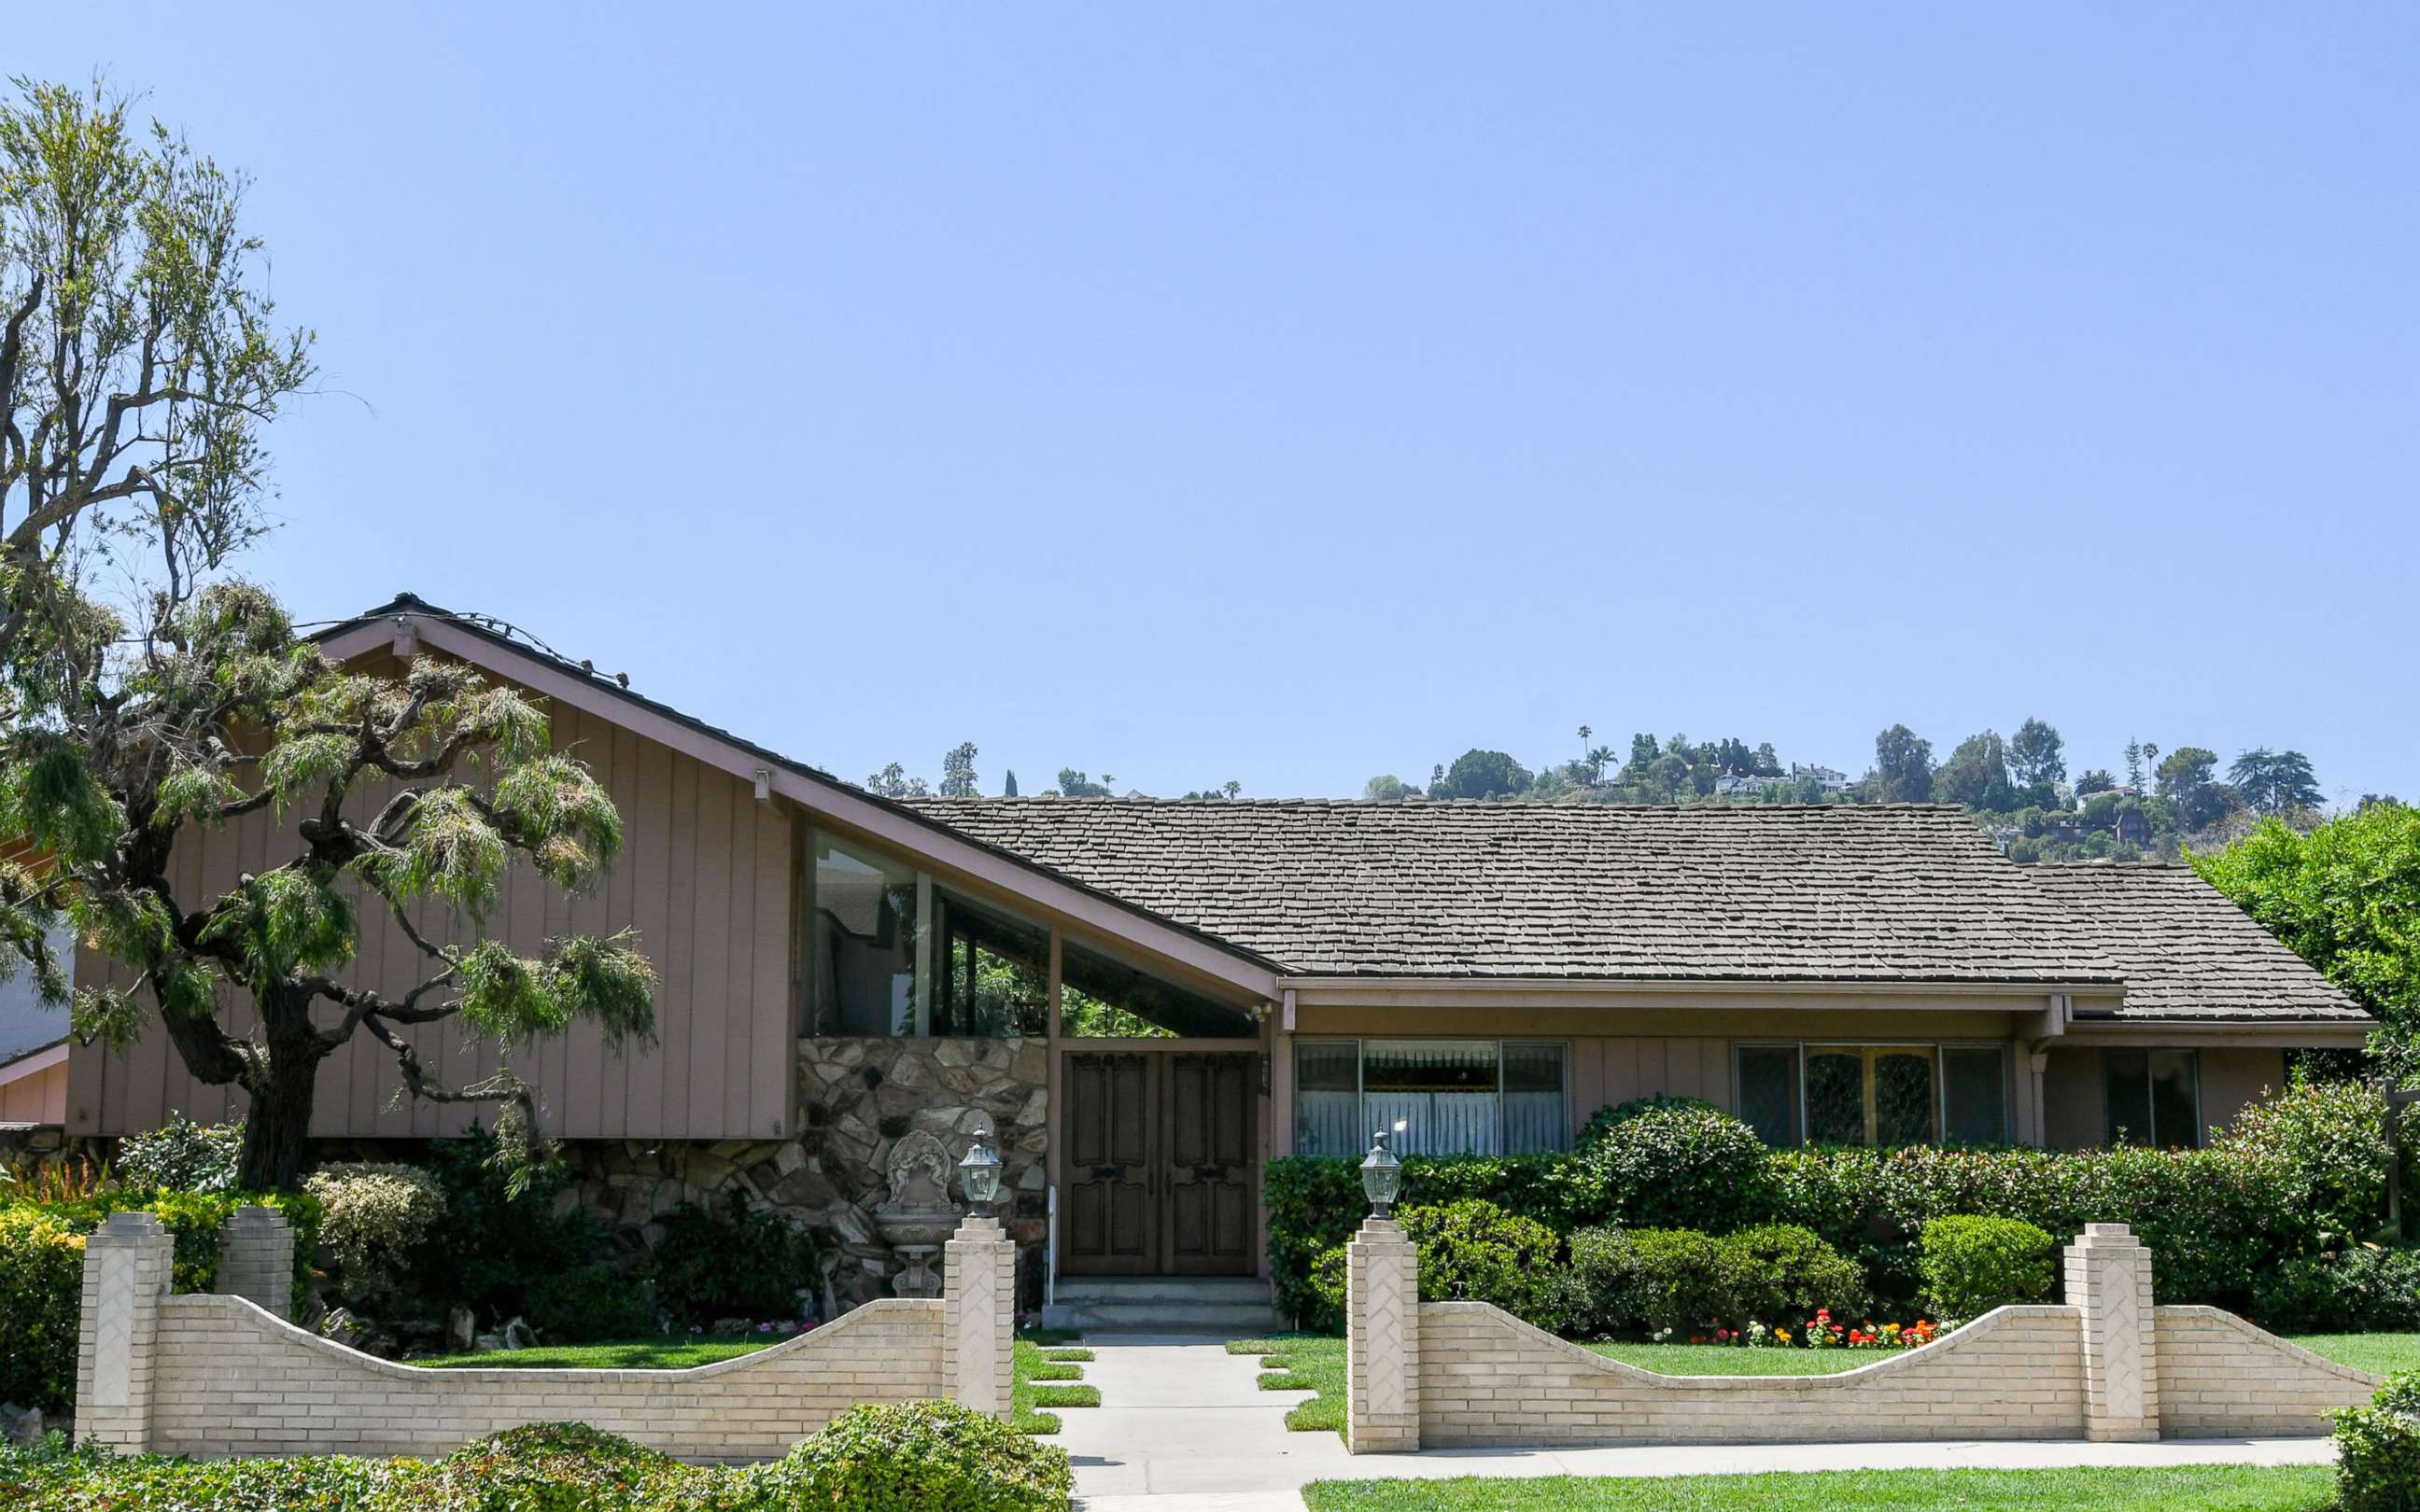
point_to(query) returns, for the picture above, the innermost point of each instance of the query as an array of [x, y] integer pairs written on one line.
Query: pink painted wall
[[705, 878], [41, 1097]]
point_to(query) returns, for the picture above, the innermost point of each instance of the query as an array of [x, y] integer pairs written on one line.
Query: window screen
[[1975, 1090], [1768, 1092]]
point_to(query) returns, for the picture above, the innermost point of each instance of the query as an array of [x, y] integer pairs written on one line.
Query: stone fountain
[[920, 1217]]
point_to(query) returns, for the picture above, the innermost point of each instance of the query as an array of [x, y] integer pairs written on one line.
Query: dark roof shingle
[[2186, 950], [1875, 893]]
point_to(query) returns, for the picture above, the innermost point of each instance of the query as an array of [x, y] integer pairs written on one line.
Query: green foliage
[[2377, 1450], [1475, 1251], [1783, 1270], [1674, 1164], [587, 1304], [1639, 1280], [1971, 1264], [2360, 1289], [554, 1467], [496, 1241], [922, 1456], [2345, 898], [285, 921], [42, 1292], [377, 1215], [730, 1263], [181, 1156], [1483, 774], [1677, 1281], [2329, 1140]]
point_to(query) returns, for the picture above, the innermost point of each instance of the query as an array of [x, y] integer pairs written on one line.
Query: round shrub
[[1601, 1284], [1777, 1271], [1972, 1264], [41, 1304], [1679, 1165], [921, 1457], [2377, 1450], [1477, 1252], [730, 1262], [1614, 1115], [551, 1467], [2359, 1290], [376, 1215], [1677, 1280]]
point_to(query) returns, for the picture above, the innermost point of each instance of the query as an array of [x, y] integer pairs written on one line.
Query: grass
[[1725, 1360], [2183, 1489], [1044, 1368], [2380, 1353], [673, 1352], [1303, 1362], [1037, 1369]]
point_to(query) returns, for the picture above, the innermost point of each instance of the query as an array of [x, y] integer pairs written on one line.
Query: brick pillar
[[2109, 1281], [125, 1275], [978, 1316], [1382, 1332], [256, 1259]]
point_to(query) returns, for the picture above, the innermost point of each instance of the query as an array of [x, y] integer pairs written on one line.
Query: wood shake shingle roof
[[1866, 893], [2186, 950]]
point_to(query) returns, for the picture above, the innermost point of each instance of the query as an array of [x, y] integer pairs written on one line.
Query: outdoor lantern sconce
[[1382, 1176], [980, 1173]]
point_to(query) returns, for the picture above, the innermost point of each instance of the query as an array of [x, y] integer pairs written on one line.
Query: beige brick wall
[[2221, 1377], [1488, 1378], [230, 1379]]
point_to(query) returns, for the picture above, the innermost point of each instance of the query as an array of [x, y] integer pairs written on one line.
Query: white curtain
[[1437, 1123], [1535, 1123], [1329, 1123]]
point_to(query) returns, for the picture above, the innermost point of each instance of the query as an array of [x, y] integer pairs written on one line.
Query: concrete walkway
[[1185, 1427]]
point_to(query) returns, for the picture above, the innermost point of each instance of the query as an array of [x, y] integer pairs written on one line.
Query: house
[[1148, 1000], [1824, 778]]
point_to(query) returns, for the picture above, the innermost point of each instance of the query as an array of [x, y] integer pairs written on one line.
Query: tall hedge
[[2213, 1219]]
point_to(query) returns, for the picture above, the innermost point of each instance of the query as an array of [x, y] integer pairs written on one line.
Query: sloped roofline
[[408, 619]]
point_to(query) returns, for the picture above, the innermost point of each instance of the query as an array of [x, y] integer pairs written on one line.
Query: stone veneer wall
[[1486, 1378], [856, 1099], [2221, 1377]]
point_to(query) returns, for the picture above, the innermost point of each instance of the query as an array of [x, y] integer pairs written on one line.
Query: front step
[[1236, 1307]]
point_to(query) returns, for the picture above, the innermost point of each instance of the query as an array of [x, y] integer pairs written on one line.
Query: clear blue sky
[[1292, 393]]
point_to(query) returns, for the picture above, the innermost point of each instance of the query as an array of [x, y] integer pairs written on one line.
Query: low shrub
[[2377, 1450], [2353, 1290], [1776, 1271], [1676, 1163], [181, 1156], [1477, 1252], [1602, 1276], [1678, 1281], [554, 1467], [1614, 1115], [41, 1302], [590, 1303], [376, 1216], [730, 1262], [921, 1457], [1971, 1264], [495, 1240]]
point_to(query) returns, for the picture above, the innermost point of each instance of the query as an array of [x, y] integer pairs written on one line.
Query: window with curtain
[[2153, 1096], [1872, 1095], [1450, 1097]]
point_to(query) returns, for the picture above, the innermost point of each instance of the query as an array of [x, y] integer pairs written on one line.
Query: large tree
[[2276, 781], [1486, 774], [1902, 766], [391, 792], [2345, 898], [2036, 753], [2188, 780], [1976, 774]]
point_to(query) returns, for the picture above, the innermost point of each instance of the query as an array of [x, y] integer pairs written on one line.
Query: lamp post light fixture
[[1382, 1176], [980, 1173]]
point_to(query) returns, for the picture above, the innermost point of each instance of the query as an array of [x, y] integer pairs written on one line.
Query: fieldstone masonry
[[2107, 1366], [2109, 1284], [219, 1374]]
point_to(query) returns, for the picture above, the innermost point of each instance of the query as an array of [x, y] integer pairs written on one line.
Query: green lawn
[[2381, 1353], [1303, 1362], [1044, 1370], [1723, 1360], [2186, 1489]]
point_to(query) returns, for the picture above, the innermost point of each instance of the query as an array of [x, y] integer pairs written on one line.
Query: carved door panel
[[1113, 1226], [1210, 1141]]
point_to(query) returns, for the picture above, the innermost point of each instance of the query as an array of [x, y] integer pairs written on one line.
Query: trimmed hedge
[[1645, 1280], [2214, 1219], [928, 1456], [1972, 1264], [2366, 1289]]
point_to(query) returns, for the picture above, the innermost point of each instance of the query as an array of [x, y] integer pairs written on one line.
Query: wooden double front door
[[1159, 1163]]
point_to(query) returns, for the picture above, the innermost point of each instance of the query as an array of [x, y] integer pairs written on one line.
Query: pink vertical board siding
[[705, 876]]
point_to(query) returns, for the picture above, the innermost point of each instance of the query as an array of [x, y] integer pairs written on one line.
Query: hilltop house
[[1150, 999]]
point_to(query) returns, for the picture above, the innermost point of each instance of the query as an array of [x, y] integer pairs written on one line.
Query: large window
[[1101, 996], [1876, 1095], [2153, 1096], [890, 952], [1443, 1097]]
